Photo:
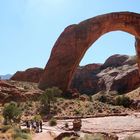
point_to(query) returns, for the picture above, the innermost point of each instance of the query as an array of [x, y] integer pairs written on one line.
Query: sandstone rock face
[[76, 39], [119, 72], [18, 91], [29, 75]]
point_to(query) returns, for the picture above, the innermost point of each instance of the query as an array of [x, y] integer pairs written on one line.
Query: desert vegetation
[[52, 105]]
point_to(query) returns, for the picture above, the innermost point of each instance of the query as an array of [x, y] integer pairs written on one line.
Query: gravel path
[[42, 136], [121, 125]]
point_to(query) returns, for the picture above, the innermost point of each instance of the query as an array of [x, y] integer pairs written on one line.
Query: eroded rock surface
[[119, 72], [18, 91]]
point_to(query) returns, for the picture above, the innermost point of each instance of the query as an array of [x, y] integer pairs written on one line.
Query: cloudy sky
[[29, 28]]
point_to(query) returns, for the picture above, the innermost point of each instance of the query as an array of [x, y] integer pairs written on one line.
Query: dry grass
[[135, 94]]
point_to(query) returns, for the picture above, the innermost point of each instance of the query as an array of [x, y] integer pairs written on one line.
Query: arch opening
[[116, 42]]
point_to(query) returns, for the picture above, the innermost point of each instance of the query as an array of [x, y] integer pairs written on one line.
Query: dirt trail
[[121, 125], [42, 136]]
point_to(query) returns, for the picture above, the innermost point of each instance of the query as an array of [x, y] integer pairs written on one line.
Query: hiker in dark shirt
[[40, 125], [37, 126], [33, 125], [27, 124]]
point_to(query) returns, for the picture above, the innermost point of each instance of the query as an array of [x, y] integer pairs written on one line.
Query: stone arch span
[[76, 39]]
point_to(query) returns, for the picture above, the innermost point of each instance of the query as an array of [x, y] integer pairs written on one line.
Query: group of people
[[34, 125]]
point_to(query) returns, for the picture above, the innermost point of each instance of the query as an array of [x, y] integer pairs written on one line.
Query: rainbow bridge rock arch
[[75, 40]]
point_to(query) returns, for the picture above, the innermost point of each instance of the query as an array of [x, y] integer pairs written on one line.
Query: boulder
[[77, 124]]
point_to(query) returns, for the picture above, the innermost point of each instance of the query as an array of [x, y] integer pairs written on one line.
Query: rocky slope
[[119, 72], [18, 91], [29, 75]]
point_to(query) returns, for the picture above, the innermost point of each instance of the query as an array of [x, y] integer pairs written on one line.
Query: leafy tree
[[49, 97], [11, 112]]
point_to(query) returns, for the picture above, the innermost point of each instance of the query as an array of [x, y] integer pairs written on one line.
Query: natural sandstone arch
[[76, 39]]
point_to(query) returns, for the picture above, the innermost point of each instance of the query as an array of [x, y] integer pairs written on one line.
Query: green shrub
[[20, 135], [103, 98], [123, 100], [25, 130], [48, 98], [11, 112], [37, 118], [5, 128], [77, 111], [52, 122]]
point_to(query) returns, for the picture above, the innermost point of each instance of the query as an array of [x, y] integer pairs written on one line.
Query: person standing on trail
[[40, 125], [27, 124], [37, 126]]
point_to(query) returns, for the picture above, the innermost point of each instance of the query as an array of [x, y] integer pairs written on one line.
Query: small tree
[[49, 97], [11, 112]]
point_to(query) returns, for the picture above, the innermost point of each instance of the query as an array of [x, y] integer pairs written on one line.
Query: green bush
[[52, 122], [102, 98], [5, 128], [77, 111], [11, 112], [20, 135], [25, 130], [37, 118], [48, 98], [123, 100]]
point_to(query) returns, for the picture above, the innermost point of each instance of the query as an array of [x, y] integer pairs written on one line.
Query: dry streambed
[[121, 125]]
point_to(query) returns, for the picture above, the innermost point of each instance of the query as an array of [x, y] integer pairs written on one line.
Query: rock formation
[[18, 91], [119, 72], [76, 39], [29, 75]]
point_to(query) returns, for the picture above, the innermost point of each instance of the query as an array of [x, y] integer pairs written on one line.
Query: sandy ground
[[42, 136], [121, 125]]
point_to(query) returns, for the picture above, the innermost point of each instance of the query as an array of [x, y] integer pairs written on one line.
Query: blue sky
[[29, 28]]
